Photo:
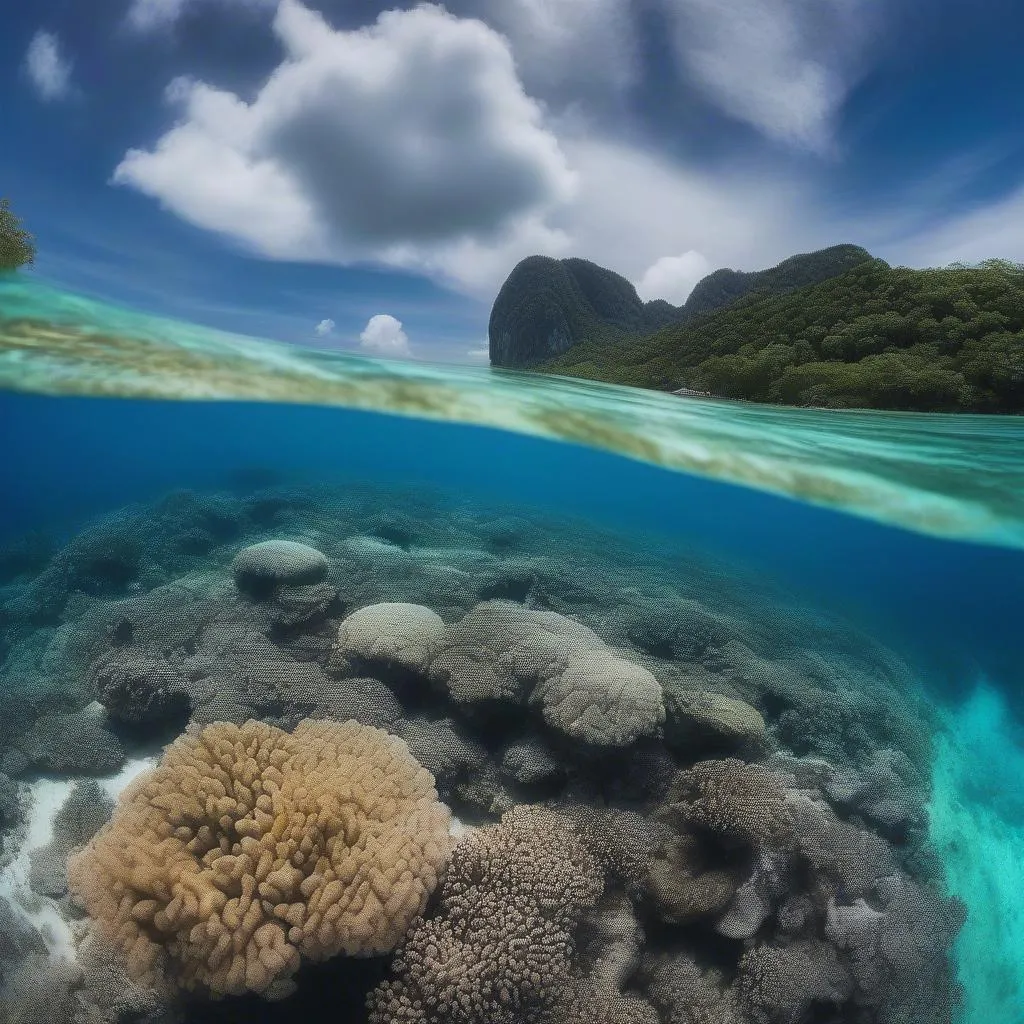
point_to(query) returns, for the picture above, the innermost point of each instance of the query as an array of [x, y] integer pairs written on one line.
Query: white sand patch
[[457, 828], [115, 785], [45, 798]]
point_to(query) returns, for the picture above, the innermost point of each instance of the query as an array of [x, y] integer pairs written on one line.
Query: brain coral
[[248, 849]]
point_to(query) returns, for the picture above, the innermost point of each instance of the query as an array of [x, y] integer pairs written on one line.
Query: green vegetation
[[547, 306], [16, 245], [877, 336]]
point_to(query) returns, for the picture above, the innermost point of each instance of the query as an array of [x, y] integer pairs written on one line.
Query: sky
[[361, 176]]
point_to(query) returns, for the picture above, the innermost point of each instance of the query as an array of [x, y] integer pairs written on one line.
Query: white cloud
[[323, 328], [634, 206], [383, 336], [48, 70], [783, 66], [153, 15], [410, 142], [994, 230], [672, 277], [479, 355], [566, 48]]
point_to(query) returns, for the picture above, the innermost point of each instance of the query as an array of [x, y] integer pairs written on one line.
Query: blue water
[[952, 609]]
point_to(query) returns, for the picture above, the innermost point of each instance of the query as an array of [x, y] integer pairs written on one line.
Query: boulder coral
[[503, 651], [248, 850], [392, 634], [272, 562]]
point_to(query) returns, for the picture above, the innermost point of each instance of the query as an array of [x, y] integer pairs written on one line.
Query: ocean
[[782, 645]]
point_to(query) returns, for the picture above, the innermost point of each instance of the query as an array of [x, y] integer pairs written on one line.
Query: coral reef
[[249, 849], [686, 801], [499, 949]]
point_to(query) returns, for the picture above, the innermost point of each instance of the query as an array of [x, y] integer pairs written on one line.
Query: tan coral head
[[248, 849]]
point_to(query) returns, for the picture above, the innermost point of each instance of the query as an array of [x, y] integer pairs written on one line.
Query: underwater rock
[[366, 700], [529, 761], [442, 749], [259, 568], [105, 557], [73, 744], [40, 988], [392, 635], [17, 937], [86, 810], [695, 715], [10, 804], [296, 605], [138, 688]]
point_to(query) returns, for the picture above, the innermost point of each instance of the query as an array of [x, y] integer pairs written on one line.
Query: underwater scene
[[343, 689]]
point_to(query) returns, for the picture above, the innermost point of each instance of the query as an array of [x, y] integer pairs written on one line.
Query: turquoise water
[[856, 578]]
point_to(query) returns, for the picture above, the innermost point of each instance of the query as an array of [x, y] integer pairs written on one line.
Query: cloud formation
[[782, 66], [48, 69], [672, 278], [383, 336], [157, 15], [436, 153], [566, 49], [323, 328]]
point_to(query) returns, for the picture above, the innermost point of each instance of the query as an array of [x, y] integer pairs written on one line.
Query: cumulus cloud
[[783, 66], [48, 69], [410, 142], [672, 277], [323, 328], [383, 336], [153, 15]]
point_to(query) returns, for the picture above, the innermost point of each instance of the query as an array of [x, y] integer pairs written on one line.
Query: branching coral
[[499, 950], [249, 849], [743, 803]]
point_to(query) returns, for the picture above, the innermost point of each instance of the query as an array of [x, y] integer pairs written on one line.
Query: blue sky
[[363, 176]]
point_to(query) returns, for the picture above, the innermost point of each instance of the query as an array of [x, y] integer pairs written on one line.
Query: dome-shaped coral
[[271, 562], [248, 849], [392, 633], [602, 699]]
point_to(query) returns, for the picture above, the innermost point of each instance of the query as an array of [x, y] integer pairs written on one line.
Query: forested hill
[[877, 336], [546, 306]]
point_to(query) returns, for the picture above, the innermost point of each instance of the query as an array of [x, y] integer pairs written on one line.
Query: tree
[[16, 244]]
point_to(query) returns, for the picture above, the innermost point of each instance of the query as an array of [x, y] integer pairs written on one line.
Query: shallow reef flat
[[306, 753], [960, 477]]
